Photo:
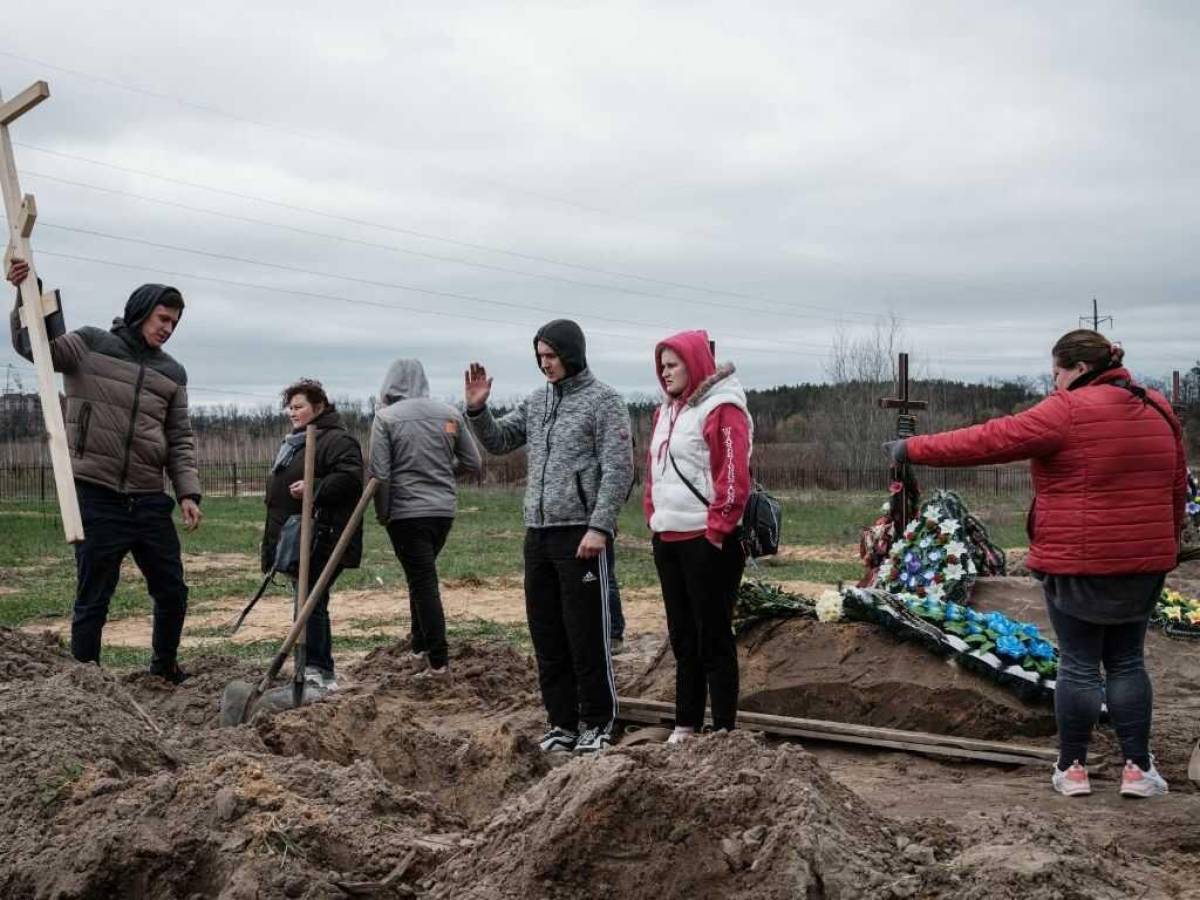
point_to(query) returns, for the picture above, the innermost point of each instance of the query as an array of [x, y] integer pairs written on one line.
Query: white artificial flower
[[925, 542], [935, 592], [956, 548], [897, 548], [829, 606], [953, 572], [970, 566], [949, 526], [934, 512]]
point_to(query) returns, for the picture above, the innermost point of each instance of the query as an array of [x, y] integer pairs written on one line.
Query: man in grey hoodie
[[580, 468], [418, 446]]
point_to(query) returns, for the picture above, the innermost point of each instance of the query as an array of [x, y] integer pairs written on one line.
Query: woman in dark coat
[[337, 487]]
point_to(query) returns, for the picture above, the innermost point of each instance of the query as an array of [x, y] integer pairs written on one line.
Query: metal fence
[[33, 482]]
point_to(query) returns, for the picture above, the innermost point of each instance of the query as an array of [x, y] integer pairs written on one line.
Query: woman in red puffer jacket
[[1110, 482]]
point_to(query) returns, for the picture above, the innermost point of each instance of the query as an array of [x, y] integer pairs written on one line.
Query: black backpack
[[762, 521]]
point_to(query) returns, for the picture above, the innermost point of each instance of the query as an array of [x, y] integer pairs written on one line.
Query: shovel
[[240, 697], [306, 526]]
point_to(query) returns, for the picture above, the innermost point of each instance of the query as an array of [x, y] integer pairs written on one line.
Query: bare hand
[[296, 489], [190, 510], [18, 271], [477, 386], [593, 544]]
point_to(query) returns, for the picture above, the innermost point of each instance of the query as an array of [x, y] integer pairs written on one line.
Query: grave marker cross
[[22, 214], [906, 427]]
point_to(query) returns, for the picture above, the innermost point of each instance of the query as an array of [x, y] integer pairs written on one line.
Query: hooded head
[[693, 348], [405, 380], [566, 337], [141, 303]]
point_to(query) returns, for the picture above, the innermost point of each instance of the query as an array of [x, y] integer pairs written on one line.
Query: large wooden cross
[[22, 213], [906, 427]]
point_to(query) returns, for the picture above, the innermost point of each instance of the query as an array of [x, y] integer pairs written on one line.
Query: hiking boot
[[1138, 782], [169, 672], [681, 734], [593, 739], [615, 645], [558, 740], [1073, 782], [320, 679]]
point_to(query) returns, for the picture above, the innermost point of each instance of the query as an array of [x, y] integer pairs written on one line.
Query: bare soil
[[124, 786]]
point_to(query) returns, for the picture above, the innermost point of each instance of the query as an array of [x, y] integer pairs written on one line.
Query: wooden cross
[[906, 423], [1176, 393], [22, 214]]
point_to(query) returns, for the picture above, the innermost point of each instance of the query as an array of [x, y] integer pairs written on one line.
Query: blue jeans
[[1080, 689], [115, 524]]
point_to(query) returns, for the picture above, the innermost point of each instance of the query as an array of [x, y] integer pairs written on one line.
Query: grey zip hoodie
[[418, 446], [580, 457]]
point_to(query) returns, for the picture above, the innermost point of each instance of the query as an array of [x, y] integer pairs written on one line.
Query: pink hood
[[692, 347]]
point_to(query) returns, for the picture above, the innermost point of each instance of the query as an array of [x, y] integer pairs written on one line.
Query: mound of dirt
[[853, 672], [24, 655], [725, 816]]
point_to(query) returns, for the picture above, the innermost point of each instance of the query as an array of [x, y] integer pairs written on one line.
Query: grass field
[[37, 572]]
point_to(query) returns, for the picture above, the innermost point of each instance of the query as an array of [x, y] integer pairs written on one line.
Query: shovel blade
[[236, 702]]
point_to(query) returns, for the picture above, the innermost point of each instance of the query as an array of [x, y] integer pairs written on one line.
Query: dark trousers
[[417, 543], [318, 631], [1080, 689], [567, 607], [116, 524], [699, 588], [616, 619]]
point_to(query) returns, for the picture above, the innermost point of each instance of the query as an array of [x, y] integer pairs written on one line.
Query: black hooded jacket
[[566, 337]]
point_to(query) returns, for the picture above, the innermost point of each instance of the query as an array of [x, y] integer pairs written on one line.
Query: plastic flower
[[829, 606], [934, 591], [953, 572], [955, 612], [949, 526], [999, 623], [925, 542], [1010, 646], [1174, 613], [974, 628], [1029, 631], [956, 548], [934, 512], [1041, 650]]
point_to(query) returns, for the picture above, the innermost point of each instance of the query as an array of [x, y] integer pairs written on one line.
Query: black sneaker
[[558, 740], [169, 672], [593, 740]]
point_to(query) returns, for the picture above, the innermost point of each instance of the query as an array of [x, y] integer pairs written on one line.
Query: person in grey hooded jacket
[[418, 447], [580, 468]]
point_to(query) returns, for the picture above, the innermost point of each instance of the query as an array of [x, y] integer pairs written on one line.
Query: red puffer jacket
[[1109, 476]]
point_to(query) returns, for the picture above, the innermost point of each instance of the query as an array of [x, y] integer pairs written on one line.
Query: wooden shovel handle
[[335, 558]]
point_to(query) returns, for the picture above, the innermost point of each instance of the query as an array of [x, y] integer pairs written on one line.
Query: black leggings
[[1080, 689]]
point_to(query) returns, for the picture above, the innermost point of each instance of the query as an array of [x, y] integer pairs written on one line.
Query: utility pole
[[1095, 317]]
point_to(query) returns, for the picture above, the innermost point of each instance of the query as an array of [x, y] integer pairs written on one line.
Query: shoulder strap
[[1140, 393], [691, 487]]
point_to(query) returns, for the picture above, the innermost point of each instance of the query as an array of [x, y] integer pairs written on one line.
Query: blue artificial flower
[[935, 555], [955, 612], [929, 575], [1010, 646], [999, 623], [925, 542], [913, 563], [1041, 650], [973, 616], [974, 628], [1029, 631]]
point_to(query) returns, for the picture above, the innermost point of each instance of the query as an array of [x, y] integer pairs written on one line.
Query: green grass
[[37, 572]]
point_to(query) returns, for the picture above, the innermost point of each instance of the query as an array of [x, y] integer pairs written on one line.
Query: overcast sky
[[336, 185]]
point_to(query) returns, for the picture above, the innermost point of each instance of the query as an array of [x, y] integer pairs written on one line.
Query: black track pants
[[699, 587], [567, 606]]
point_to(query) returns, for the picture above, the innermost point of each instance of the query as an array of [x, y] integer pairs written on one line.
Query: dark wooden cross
[[1176, 393], [906, 422], [906, 427]]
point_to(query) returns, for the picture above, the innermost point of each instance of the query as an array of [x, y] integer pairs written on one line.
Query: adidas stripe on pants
[[566, 603]]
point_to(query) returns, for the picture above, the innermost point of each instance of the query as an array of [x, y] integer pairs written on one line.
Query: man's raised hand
[[477, 387]]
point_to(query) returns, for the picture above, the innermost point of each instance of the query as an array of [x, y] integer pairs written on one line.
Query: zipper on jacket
[[85, 420], [546, 458], [582, 495], [137, 402]]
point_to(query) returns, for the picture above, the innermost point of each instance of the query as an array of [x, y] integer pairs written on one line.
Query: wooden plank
[[654, 712], [24, 102], [20, 224]]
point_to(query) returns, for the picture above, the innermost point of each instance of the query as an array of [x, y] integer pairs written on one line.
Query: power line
[[840, 313], [384, 284], [1096, 318]]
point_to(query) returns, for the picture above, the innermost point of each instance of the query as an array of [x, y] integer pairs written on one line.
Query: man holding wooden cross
[[127, 422]]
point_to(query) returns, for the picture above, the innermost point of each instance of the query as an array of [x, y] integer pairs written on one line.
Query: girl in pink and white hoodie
[[697, 483]]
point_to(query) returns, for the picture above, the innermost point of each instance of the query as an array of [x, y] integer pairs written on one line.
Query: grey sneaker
[[1137, 782], [593, 740], [1073, 782], [558, 740], [430, 673]]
